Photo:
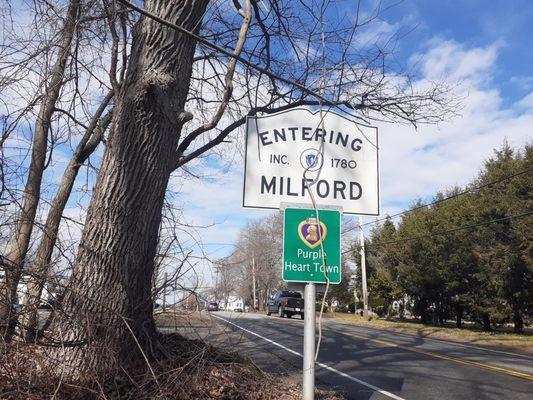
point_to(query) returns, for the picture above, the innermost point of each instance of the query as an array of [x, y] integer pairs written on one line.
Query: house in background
[[48, 294], [232, 303]]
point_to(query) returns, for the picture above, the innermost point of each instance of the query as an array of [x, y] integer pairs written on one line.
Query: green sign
[[303, 240]]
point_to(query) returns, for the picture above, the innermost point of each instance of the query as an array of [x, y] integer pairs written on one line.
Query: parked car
[[286, 304], [212, 306]]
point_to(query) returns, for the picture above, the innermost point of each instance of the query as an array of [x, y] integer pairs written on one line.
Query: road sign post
[[309, 342], [291, 154], [311, 254]]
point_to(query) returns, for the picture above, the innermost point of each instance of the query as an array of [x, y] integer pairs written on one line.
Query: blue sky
[[481, 45], [476, 23]]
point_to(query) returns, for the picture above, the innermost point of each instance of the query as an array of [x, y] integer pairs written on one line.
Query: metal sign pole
[[309, 342], [363, 267]]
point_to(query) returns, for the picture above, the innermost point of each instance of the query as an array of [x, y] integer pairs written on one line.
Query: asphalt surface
[[374, 364]]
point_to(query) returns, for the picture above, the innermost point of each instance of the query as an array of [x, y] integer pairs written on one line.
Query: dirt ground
[[189, 369]]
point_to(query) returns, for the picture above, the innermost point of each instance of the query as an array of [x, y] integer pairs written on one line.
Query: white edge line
[[327, 367]]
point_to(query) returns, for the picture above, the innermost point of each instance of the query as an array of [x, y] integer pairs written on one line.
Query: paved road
[[376, 364]]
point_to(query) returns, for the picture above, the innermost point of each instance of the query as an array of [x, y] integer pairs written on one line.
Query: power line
[[455, 229], [312, 92], [470, 190], [453, 196]]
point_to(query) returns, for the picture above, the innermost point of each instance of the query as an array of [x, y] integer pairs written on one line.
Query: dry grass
[[471, 335], [182, 319], [189, 369]]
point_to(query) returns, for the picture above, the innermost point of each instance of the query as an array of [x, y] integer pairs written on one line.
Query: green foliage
[[343, 292], [483, 273]]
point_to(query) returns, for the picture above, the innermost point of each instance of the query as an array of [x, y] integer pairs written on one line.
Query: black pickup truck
[[286, 304]]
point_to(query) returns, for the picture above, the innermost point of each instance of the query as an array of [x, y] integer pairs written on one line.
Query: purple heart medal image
[[311, 232], [306, 241]]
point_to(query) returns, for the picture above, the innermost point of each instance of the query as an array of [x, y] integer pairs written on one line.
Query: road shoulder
[[496, 341]]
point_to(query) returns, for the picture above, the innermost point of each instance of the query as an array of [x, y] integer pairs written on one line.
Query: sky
[[483, 47]]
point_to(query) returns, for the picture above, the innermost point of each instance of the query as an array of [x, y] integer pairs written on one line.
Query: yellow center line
[[436, 355]]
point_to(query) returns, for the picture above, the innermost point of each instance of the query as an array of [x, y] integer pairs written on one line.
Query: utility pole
[[363, 267], [216, 285], [356, 298], [253, 283], [165, 292]]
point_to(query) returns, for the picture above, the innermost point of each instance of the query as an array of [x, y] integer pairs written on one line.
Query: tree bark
[[108, 308], [486, 322], [422, 308], [459, 316], [41, 265], [441, 314], [518, 322], [18, 247]]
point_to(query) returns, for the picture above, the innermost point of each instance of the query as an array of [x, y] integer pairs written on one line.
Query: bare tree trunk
[[441, 314], [518, 322], [41, 266], [108, 308], [423, 307], [486, 322], [459, 309], [18, 247]]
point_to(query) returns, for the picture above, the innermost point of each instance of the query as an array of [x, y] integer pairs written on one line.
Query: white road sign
[[279, 147]]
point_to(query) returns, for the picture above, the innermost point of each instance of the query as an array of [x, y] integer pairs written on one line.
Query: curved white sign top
[[341, 158]]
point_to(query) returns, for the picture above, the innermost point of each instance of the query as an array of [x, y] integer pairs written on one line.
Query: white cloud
[[524, 82], [450, 60], [214, 203], [413, 163], [526, 102], [438, 157], [377, 32]]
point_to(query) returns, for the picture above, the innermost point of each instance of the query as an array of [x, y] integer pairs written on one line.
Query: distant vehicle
[[212, 306], [286, 304], [238, 310]]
